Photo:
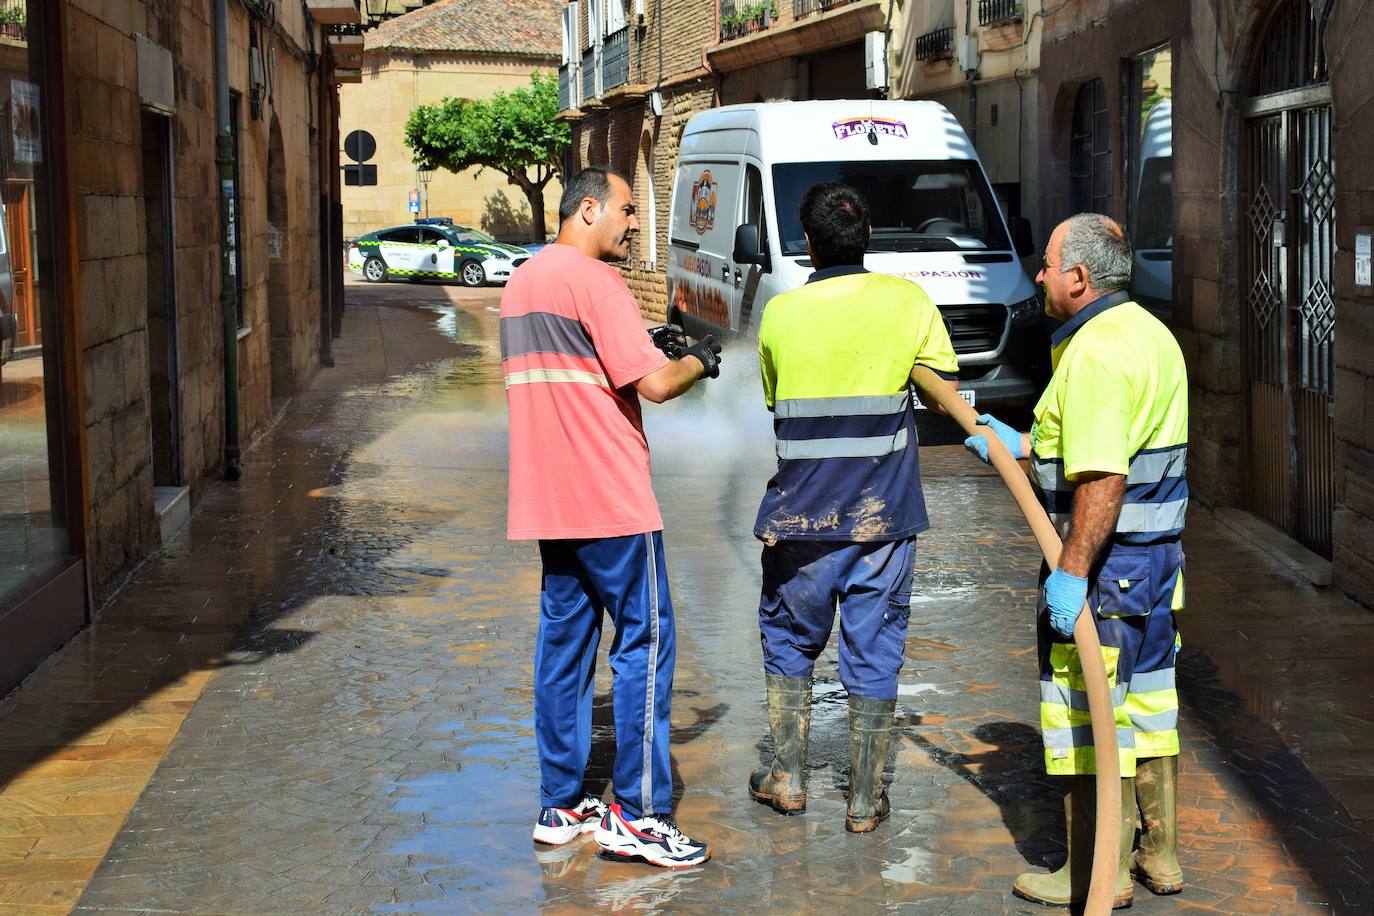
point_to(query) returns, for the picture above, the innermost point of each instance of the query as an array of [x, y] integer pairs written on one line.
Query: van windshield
[[917, 205]]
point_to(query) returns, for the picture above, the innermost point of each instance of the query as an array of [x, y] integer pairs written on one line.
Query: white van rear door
[[706, 204]]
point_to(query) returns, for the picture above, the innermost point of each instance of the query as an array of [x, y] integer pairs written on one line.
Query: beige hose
[[1105, 846]]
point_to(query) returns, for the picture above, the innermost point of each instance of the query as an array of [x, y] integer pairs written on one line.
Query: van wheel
[[375, 270]]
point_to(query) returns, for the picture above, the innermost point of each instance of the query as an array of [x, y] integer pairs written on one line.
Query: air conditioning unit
[[875, 60]]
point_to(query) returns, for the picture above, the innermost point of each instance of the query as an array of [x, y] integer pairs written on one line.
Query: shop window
[[34, 537], [1090, 154], [1150, 176]]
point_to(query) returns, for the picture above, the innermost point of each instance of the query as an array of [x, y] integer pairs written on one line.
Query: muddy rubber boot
[[782, 786], [870, 730], [1069, 884], [1156, 790]]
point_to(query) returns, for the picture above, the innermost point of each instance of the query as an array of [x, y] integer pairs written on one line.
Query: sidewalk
[[317, 699]]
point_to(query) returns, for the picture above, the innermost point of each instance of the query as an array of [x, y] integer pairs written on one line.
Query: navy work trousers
[[870, 583], [584, 580]]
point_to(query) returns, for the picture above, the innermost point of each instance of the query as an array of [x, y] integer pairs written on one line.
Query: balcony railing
[[993, 12], [567, 87], [615, 60], [936, 45], [740, 19], [802, 8], [589, 75], [14, 19]]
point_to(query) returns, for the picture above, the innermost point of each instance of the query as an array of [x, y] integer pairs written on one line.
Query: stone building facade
[[467, 49], [634, 73], [1249, 195], [980, 60], [115, 394], [628, 111], [129, 312]]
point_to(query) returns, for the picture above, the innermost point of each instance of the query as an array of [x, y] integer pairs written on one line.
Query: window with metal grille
[[992, 12], [1295, 43], [936, 44], [1090, 153]]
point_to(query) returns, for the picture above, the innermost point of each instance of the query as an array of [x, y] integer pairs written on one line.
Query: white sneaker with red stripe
[[654, 838], [557, 826]]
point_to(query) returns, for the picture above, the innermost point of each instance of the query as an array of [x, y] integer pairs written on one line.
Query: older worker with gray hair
[[1108, 452]]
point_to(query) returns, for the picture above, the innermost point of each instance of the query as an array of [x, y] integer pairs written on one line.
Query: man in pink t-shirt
[[576, 358]]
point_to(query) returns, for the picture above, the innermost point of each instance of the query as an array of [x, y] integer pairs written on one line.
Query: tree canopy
[[516, 133]]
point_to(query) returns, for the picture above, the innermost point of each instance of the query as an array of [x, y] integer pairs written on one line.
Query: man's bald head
[[1099, 244]]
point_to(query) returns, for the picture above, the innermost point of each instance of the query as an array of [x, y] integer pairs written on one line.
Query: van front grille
[[976, 327]]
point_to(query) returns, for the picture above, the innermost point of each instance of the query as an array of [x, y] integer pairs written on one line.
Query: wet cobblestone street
[[318, 699]]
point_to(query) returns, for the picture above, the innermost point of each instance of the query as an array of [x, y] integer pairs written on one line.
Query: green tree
[[516, 133]]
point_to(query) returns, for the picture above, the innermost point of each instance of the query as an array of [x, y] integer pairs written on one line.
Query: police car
[[434, 251]]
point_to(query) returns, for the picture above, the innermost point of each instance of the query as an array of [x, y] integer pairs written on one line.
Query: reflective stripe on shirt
[[574, 376], [543, 332], [1153, 505]]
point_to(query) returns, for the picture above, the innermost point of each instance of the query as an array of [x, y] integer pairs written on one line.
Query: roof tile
[[513, 27]]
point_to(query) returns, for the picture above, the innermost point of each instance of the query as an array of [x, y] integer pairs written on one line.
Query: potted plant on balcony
[[13, 20], [752, 17]]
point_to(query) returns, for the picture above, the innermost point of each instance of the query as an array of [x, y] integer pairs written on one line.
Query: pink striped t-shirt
[[572, 346]]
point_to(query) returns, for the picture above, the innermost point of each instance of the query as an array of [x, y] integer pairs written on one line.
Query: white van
[[735, 237], [1152, 278]]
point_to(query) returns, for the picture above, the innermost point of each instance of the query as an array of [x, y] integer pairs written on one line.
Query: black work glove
[[670, 340], [708, 351]]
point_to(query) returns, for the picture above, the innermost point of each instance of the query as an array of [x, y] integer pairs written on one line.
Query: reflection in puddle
[[919, 867]]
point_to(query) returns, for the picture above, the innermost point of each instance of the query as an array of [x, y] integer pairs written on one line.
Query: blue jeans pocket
[[1123, 585]]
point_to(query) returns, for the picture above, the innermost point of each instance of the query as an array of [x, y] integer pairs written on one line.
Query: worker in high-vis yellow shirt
[[840, 517], [1108, 452]]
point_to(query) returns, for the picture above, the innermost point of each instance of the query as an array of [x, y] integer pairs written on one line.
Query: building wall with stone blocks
[[394, 84], [1214, 49], [108, 134], [1002, 112], [622, 131]]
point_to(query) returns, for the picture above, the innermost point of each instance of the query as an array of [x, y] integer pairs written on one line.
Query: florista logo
[[853, 127], [703, 215]]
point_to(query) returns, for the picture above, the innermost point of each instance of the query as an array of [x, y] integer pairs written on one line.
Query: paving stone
[[332, 674]]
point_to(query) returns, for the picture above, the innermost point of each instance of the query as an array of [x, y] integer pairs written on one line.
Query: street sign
[[360, 146], [360, 174], [414, 200]]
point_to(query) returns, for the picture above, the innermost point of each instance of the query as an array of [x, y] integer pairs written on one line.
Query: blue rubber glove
[[1065, 594], [1011, 438]]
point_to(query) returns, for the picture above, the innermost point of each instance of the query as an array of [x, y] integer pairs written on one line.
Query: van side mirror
[[1021, 238], [747, 247]]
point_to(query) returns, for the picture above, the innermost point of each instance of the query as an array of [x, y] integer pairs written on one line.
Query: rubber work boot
[[782, 786], [1156, 790], [1069, 885], [870, 730]]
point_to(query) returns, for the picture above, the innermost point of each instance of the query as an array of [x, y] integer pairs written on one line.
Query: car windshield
[[917, 205], [472, 236]]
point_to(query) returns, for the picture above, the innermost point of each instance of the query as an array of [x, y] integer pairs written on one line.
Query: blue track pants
[[583, 580]]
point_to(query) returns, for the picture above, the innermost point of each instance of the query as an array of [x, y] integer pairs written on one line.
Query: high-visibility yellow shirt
[[836, 356], [1116, 404]]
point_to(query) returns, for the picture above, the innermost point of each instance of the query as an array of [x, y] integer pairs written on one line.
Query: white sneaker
[[655, 838], [557, 826]]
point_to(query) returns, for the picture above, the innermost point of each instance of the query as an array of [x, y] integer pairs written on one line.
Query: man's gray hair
[[1100, 245]]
